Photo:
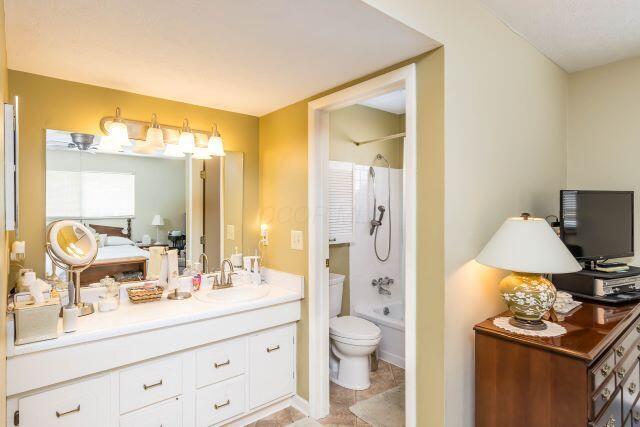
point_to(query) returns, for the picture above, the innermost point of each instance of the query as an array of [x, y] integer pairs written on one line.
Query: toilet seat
[[353, 330]]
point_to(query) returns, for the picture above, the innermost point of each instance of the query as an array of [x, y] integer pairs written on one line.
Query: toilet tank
[[336, 282]]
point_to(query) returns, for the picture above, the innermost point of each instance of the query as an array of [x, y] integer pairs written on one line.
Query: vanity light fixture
[[108, 145], [118, 131], [186, 142], [154, 134], [215, 146], [201, 153], [172, 150], [143, 147]]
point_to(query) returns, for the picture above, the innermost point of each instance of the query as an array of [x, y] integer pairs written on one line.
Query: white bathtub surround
[[363, 264], [190, 355], [391, 346]]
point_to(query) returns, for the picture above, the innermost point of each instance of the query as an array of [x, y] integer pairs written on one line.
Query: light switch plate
[[231, 232], [297, 240]]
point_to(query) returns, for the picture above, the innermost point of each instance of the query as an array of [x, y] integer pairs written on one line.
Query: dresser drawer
[[627, 343], [150, 383], [220, 362], [612, 415], [603, 396], [272, 365], [600, 373], [635, 414], [165, 414], [220, 401], [77, 405], [630, 389]]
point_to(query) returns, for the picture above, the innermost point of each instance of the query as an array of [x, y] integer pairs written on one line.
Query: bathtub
[[392, 326]]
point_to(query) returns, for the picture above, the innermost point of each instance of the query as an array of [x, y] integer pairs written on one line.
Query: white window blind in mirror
[[85, 194], [341, 202]]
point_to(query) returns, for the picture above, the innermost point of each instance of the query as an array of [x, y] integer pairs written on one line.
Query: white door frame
[[318, 159]]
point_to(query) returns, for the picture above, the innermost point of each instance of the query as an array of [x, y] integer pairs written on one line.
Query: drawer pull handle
[[606, 394], [636, 416], [62, 414], [621, 373], [632, 388], [270, 349], [147, 387], [606, 369], [620, 351], [221, 405], [638, 328], [220, 365], [611, 422]]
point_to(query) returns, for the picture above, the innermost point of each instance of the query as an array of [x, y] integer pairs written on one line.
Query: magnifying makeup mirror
[[72, 247]]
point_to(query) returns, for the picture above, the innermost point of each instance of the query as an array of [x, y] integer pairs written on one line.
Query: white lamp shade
[[201, 153], [155, 138], [143, 147], [528, 246], [118, 131], [157, 220], [215, 146], [186, 142], [172, 150], [108, 145]]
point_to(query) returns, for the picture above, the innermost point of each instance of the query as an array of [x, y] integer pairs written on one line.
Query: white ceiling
[[391, 102], [575, 34], [249, 56]]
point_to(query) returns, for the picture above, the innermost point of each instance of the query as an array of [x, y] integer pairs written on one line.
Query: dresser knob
[[638, 328], [611, 422], [606, 369], [632, 388], [636, 416], [620, 351], [606, 394], [621, 373]]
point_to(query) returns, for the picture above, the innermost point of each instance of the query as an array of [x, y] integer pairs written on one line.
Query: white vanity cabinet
[[209, 385]]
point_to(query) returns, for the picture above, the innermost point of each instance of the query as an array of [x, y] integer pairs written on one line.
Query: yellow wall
[[604, 130], [360, 123], [4, 238], [58, 104]]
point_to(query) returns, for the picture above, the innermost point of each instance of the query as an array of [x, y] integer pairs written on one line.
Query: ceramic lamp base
[[530, 325]]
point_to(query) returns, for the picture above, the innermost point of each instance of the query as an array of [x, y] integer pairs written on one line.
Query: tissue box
[[36, 322]]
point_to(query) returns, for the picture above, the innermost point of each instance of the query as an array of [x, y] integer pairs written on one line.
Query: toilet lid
[[353, 327]]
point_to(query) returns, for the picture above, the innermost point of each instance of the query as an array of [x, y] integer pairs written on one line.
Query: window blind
[[85, 194], [340, 202]]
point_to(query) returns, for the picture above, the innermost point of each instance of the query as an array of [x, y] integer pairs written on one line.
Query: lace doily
[[553, 329]]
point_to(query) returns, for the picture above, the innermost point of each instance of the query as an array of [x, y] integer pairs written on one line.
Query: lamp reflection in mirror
[[201, 153], [186, 142], [529, 248], [118, 131], [154, 134], [143, 147], [172, 150], [108, 145], [215, 146]]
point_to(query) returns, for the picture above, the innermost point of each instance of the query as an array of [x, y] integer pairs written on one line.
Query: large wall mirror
[[133, 201]]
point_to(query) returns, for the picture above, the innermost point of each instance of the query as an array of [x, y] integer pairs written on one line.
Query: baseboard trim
[[300, 404]]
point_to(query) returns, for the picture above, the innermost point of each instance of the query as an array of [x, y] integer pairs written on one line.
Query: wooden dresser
[[587, 377]]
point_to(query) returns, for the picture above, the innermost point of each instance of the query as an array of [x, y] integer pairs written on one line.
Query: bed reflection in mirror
[[134, 201]]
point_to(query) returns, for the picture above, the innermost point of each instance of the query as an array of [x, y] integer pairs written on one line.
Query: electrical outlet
[[231, 232], [297, 240]]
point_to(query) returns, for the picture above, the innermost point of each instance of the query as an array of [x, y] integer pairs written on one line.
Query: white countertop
[[133, 318]]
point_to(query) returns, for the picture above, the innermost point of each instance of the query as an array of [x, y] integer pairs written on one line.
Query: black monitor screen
[[597, 224]]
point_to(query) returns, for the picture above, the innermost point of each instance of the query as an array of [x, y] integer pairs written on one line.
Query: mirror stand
[[73, 275]]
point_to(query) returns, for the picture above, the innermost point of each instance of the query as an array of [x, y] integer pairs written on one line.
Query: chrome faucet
[[225, 278], [383, 285], [204, 261]]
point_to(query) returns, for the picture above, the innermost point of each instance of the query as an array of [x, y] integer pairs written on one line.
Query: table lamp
[[529, 248], [157, 221]]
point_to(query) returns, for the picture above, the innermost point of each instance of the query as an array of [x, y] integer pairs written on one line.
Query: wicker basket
[[144, 293]]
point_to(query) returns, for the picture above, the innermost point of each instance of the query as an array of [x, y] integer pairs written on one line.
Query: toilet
[[352, 340]]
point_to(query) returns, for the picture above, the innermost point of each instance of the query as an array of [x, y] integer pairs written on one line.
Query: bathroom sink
[[234, 294]]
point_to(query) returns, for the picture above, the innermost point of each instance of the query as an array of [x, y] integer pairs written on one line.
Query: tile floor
[[386, 377]]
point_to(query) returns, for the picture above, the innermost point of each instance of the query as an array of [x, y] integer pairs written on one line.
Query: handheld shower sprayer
[[376, 223]]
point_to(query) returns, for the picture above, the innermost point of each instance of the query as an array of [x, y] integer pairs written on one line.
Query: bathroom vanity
[[168, 363]]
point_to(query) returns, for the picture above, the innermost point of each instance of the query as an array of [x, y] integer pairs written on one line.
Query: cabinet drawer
[[165, 414], [601, 372], [627, 342], [603, 396], [272, 365], [150, 383], [77, 405], [220, 401], [627, 364], [220, 362], [635, 414], [612, 416], [630, 389]]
